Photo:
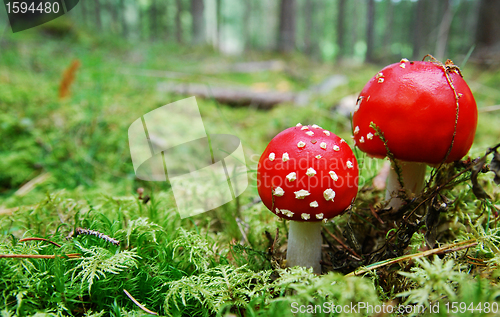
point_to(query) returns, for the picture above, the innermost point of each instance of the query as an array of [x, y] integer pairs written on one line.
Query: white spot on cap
[[319, 216], [298, 124], [287, 213], [305, 216], [323, 145], [310, 133], [314, 204], [342, 140], [402, 65], [329, 194], [356, 130], [362, 139], [333, 175], [316, 126], [305, 128], [318, 156], [310, 172], [272, 156], [349, 164], [336, 148], [380, 77], [291, 177], [285, 157], [327, 133], [369, 136], [301, 194], [404, 60], [301, 144], [278, 191], [277, 211]]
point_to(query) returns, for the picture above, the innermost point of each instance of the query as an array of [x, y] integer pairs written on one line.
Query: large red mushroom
[[427, 115], [307, 175]]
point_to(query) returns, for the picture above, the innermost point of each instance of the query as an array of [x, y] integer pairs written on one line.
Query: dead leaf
[[476, 188], [495, 167], [68, 78]]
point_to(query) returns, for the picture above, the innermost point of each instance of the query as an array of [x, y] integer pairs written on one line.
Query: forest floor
[[65, 164]]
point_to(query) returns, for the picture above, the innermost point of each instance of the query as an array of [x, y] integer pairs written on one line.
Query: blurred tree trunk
[[444, 29], [370, 26], [418, 29], [83, 8], [97, 11], [112, 9], [389, 24], [218, 9], [488, 32], [247, 34], [308, 31], [178, 22], [287, 21], [340, 29], [122, 18], [163, 20], [197, 9], [354, 30], [140, 27], [153, 20]]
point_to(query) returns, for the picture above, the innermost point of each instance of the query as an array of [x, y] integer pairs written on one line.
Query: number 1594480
[[31, 7]]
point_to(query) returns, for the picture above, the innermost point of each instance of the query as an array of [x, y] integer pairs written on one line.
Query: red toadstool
[[307, 174], [426, 113]]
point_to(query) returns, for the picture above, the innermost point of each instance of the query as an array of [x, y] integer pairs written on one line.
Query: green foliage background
[[204, 265]]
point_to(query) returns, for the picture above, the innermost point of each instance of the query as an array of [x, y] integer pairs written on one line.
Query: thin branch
[[40, 239], [343, 244], [139, 304]]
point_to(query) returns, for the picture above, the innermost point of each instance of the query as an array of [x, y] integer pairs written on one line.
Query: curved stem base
[[304, 245]]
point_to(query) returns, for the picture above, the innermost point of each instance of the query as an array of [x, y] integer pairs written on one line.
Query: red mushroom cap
[[307, 173], [414, 105]]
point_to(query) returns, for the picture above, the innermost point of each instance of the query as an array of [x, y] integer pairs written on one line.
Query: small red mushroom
[[307, 174], [415, 105]]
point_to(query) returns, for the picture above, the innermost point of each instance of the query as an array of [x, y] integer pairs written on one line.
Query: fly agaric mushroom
[[306, 175], [426, 113]]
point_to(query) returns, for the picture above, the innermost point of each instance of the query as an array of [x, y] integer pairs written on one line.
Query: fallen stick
[[231, 95], [490, 108], [446, 249], [246, 96]]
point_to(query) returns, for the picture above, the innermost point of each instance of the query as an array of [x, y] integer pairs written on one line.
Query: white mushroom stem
[[413, 175], [304, 245]]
